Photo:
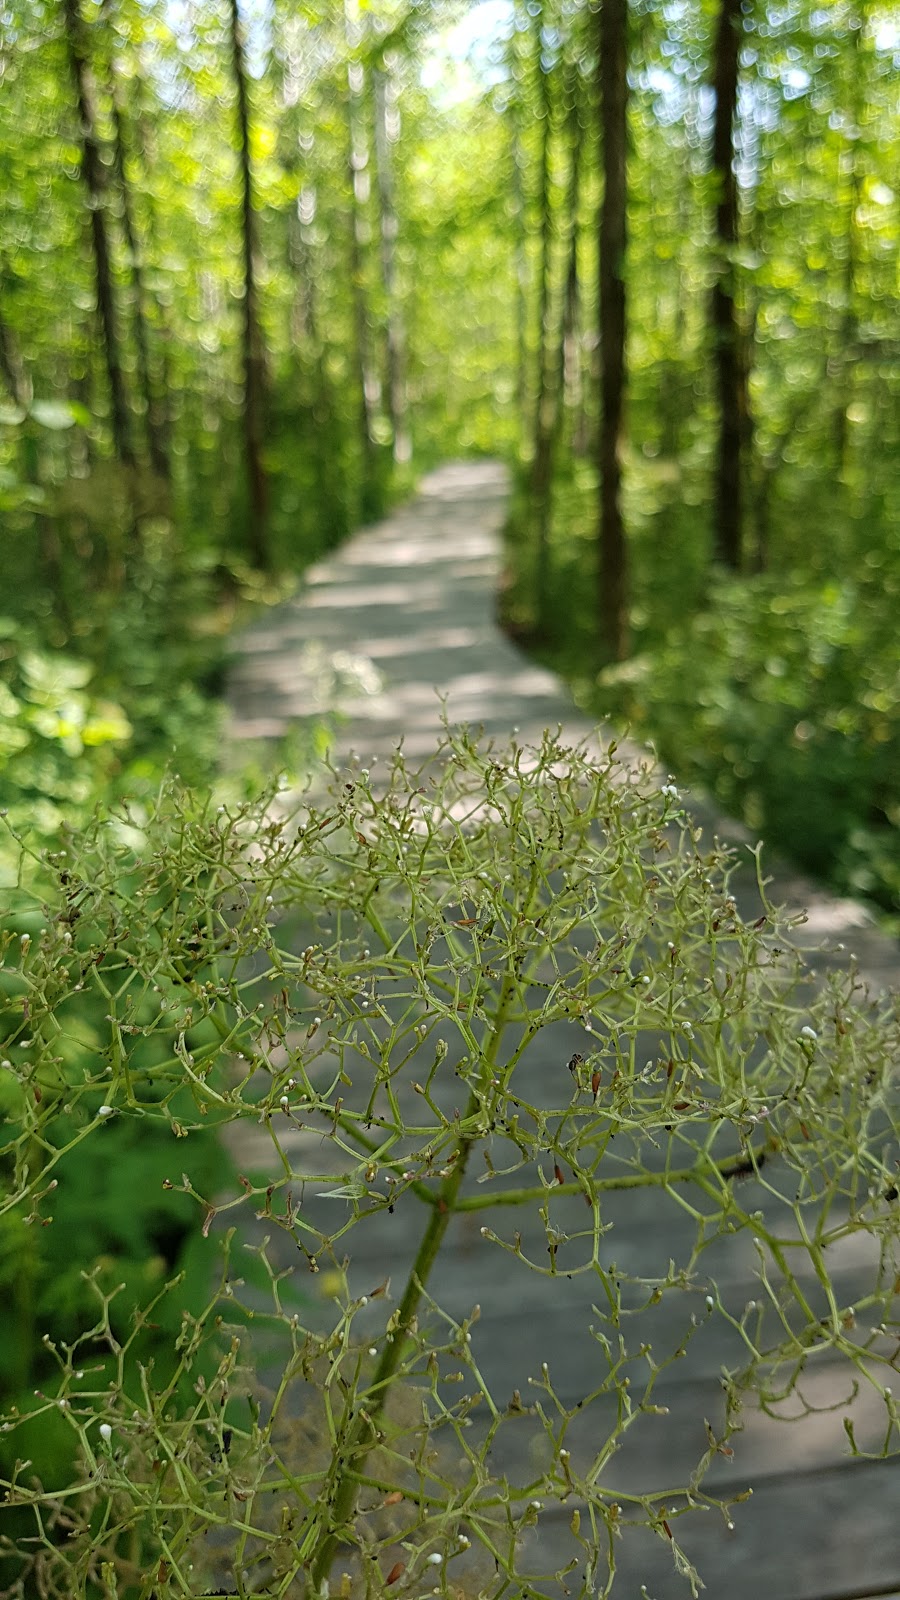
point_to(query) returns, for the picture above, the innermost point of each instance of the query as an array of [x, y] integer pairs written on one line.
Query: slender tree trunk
[[17, 382], [369, 389], [728, 353], [398, 408], [842, 363], [305, 336], [613, 563], [303, 326], [160, 319], [156, 443], [543, 419], [545, 222], [521, 276], [550, 415], [358, 160], [572, 365], [93, 177], [254, 354], [12, 368], [518, 160]]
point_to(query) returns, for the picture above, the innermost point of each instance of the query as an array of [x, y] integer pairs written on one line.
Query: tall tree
[[92, 172], [386, 122], [559, 355], [12, 368], [728, 352], [254, 353], [613, 237], [517, 162], [570, 362], [544, 397], [153, 419], [841, 363], [17, 381], [368, 386]]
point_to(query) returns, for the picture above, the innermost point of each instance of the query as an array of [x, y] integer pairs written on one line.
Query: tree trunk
[[569, 386], [159, 317], [156, 442], [613, 563], [17, 381], [93, 176], [842, 363], [543, 420], [521, 276], [728, 352], [550, 416], [12, 369], [368, 385], [254, 355], [398, 408], [305, 337]]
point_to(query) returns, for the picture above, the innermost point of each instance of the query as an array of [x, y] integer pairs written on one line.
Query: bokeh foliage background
[[262, 265]]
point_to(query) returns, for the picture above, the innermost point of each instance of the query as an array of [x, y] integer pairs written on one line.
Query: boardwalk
[[406, 608]]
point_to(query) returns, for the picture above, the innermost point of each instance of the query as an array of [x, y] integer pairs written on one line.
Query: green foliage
[[777, 693], [389, 970], [57, 738], [781, 699], [122, 1242]]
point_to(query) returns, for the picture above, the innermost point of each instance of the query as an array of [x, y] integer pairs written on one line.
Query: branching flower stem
[[365, 1430]]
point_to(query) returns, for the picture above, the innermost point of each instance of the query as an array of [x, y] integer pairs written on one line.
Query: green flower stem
[[364, 1435], [725, 1168], [365, 1429]]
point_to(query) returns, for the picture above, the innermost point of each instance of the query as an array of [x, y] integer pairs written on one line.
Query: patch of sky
[[467, 57]]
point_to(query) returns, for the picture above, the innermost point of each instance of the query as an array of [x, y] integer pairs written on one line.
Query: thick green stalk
[[365, 1430]]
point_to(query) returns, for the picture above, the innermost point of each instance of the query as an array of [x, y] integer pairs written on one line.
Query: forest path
[[408, 607], [404, 613]]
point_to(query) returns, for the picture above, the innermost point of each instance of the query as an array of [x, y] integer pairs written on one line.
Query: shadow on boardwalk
[[409, 605]]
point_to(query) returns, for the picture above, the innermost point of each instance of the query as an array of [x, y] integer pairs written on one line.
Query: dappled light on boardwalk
[[407, 610], [415, 596]]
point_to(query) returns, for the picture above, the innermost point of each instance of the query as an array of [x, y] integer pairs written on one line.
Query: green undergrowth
[[510, 989], [107, 700], [778, 694]]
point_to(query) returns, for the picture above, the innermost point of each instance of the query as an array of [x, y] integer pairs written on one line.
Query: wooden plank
[[823, 1536]]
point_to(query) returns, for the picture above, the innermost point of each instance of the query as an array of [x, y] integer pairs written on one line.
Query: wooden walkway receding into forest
[[398, 625]]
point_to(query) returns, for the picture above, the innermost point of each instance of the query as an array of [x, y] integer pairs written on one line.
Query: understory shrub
[[777, 692], [493, 1023], [788, 715]]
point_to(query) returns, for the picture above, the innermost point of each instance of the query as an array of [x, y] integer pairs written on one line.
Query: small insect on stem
[[397, 1571], [558, 1172], [595, 1084]]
